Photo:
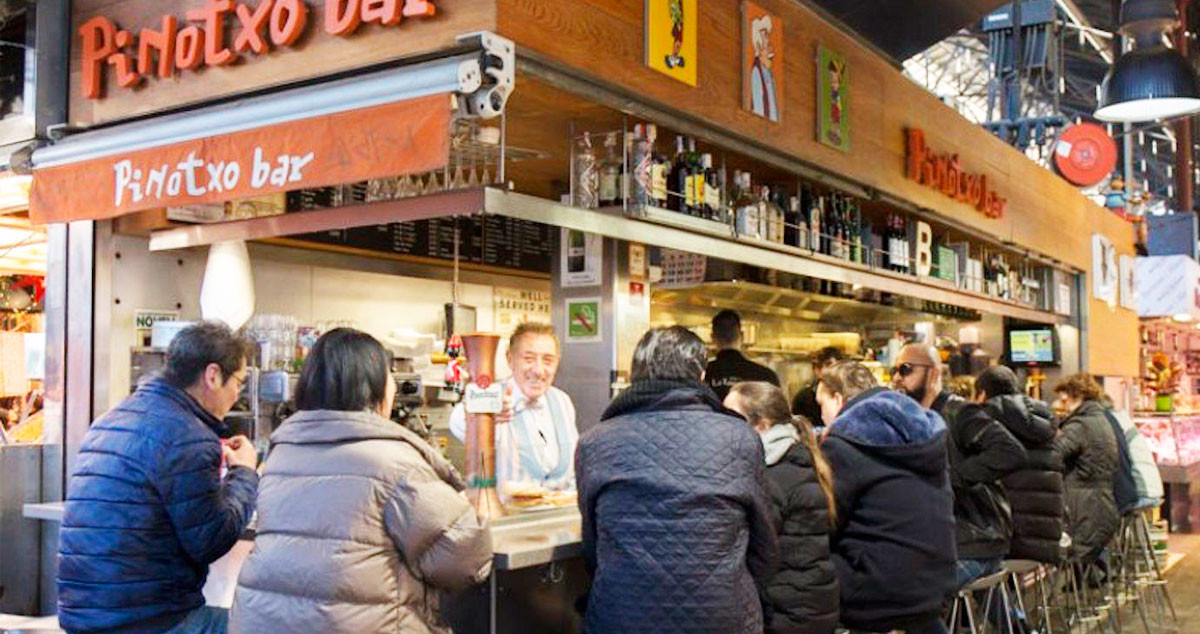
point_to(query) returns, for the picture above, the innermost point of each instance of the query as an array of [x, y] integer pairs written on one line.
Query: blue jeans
[[968, 570], [204, 620]]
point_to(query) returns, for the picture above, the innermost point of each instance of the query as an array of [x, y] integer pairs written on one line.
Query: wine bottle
[[695, 192], [712, 190], [815, 225], [791, 222], [641, 158], [680, 179]]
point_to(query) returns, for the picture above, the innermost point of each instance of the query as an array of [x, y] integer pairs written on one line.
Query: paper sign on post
[[479, 400]]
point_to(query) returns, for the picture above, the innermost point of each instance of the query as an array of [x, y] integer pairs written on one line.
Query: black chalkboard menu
[[492, 240]]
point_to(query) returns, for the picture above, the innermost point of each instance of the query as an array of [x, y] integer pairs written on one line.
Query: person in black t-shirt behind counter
[[805, 402], [731, 366]]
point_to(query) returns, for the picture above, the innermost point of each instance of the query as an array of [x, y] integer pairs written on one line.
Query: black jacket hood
[[1030, 421]]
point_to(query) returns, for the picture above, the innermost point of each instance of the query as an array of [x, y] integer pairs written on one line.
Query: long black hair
[[347, 371]]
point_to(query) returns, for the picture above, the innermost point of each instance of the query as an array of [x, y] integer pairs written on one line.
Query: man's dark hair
[[347, 371], [827, 355], [997, 381], [726, 328], [672, 354], [848, 378], [198, 346]]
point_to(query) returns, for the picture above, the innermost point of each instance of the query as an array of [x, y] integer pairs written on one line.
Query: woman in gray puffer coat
[[360, 522], [1089, 450]]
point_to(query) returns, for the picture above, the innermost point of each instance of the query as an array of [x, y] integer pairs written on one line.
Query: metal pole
[[1184, 179]]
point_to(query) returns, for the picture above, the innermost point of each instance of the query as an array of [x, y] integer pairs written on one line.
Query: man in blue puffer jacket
[[146, 509]]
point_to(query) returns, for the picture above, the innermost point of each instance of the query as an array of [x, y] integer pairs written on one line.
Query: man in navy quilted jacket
[[677, 527], [147, 510]]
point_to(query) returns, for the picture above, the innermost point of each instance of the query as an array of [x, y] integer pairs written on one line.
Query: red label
[[483, 381]]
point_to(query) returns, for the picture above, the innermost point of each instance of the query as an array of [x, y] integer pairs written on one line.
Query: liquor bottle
[[680, 179], [712, 190], [746, 209], [658, 170], [837, 232], [792, 223], [587, 175], [893, 244], [641, 159], [773, 214], [695, 191], [610, 173], [815, 224], [905, 245]]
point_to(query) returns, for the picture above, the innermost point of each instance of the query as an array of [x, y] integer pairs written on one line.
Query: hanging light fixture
[[1151, 81]]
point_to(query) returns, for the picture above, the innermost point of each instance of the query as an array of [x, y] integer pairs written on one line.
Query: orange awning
[[410, 136]]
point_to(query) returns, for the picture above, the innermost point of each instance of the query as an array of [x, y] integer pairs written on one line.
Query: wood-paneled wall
[[315, 54], [604, 39]]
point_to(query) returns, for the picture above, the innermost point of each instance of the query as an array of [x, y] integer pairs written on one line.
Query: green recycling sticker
[[583, 319]]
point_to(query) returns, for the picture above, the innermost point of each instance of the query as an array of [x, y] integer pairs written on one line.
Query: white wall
[[377, 302]]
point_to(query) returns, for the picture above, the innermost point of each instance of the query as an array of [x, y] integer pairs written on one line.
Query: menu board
[[492, 240]]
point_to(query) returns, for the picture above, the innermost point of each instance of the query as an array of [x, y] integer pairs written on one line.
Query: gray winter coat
[[360, 524], [1089, 451]]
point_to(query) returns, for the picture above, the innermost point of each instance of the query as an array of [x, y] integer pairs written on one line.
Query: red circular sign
[[1085, 154], [483, 381]]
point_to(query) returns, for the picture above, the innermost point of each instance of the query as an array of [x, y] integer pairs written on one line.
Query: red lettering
[[189, 48], [342, 17], [385, 12], [123, 63], [288, 19], [162, 42], [981, 203], [213, 16], [250, 38], [419, 8], [916, 152], [98, 35]]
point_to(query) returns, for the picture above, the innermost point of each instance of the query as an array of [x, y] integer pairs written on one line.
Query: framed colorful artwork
[[762, 61], [671, 46], [833, 99]]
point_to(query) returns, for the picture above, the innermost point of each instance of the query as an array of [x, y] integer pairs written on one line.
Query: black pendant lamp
[[1152, 81]]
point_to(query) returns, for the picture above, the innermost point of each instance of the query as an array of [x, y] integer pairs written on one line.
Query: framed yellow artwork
[[671, 46]]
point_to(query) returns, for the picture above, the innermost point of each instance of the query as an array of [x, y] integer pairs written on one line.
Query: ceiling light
[[1152, 81]]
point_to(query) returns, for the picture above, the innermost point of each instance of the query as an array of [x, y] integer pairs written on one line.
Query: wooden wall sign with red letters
[[132, 58], [945, 173], [218, 34]]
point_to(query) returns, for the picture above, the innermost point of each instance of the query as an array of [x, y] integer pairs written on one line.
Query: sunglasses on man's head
[[905, 369]]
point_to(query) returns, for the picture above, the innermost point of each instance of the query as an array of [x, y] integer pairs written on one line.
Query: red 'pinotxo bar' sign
[[218, 34]]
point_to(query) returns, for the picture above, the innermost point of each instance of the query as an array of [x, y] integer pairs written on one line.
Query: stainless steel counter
[[534, 539]]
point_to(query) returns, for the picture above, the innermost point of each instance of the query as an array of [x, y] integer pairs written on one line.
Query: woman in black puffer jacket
[[1036, 491], [802, 597], [1089, 451]]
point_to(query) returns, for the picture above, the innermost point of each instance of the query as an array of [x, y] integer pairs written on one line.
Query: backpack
[[1124, 484]]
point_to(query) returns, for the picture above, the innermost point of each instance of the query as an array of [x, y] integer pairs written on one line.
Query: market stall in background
[[477, 164]]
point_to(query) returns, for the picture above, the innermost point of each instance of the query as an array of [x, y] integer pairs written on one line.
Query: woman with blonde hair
[[801, 598]]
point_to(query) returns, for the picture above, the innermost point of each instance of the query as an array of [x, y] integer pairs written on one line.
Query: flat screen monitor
[[1032, 346]]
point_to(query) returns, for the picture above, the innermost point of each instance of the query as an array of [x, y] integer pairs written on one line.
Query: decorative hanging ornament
[[1085, 154]]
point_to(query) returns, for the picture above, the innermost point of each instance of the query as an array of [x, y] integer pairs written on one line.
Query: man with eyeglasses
[[147, 509], [981, 452]]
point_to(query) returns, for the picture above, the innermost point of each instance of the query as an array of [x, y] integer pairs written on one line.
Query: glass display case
[[1174, 438]]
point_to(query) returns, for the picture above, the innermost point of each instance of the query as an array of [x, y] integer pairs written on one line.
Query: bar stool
[[1017, 570], [964, 603], [1141, 575]]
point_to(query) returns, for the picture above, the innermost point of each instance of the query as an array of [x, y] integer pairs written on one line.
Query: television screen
[[1031, 346]]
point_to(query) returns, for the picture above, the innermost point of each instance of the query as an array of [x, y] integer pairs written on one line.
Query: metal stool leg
[[1159, 579]]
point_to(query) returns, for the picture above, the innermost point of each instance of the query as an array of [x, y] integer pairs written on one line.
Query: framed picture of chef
[[762, 61]]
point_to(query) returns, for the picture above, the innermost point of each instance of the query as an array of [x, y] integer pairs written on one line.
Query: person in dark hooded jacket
[[1036, 491], [677, 526], [981, 452], [1089, 451], [802, 597], [894, 546]]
